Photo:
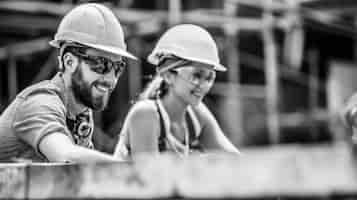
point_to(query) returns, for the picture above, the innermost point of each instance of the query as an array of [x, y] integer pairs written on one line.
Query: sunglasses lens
[[119, 67], [103, 65]]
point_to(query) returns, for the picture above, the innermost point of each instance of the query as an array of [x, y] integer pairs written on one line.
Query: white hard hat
[[189, 42], [93, 25]]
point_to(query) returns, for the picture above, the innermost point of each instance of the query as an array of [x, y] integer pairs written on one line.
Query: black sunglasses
[[100, 64]]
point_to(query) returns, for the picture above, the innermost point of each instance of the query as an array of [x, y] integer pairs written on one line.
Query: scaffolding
[[137, 23]]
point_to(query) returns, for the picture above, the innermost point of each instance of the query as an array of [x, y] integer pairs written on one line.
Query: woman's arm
[[212, 136], [143, 127]]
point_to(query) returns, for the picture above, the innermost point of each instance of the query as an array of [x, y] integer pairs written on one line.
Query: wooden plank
[[175, 12], [134, 69], [313, 62], [13, 181], [126, 16], [256, 62], [262, 4], [132, 16], [32, 16], [271, 78], [232, 107], [293, 171], [29, 24], [36, 7], [213, 18], [25, 48], [326, 4]]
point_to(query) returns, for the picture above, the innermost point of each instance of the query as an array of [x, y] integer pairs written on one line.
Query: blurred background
[[291, 63]]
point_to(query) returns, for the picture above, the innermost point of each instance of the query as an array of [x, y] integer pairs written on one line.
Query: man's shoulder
[[45, 94], [46, 87]]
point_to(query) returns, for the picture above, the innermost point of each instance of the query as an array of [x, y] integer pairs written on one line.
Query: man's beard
[[82, 91]]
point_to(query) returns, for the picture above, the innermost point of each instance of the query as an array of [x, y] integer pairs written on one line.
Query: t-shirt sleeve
[[38, 116]]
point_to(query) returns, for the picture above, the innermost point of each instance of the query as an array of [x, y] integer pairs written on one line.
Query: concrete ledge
[[279, 171], [13, 181]]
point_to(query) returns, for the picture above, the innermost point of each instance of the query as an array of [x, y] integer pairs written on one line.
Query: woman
[[170, 114]]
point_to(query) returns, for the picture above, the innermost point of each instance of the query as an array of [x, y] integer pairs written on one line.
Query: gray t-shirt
[[39, 110]]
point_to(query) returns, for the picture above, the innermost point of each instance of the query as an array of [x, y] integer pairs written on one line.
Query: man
[[52, 120]]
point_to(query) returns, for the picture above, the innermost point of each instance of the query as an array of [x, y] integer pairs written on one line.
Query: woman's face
[[193, 81]]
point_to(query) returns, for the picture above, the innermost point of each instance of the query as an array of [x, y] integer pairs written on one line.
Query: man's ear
[[70, 62]]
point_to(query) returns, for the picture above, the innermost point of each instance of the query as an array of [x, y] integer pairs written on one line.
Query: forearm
[[80, 154], [217, 141], [57, 147], [230, 148]]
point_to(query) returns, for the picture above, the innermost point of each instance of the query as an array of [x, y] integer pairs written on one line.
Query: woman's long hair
[[158, 87]]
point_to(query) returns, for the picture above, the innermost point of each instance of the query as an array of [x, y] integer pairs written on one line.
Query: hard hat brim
[[109, 49], [216, 66]]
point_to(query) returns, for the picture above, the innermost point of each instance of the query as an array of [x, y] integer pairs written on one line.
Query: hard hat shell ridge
[[190, 42], [92, 25]]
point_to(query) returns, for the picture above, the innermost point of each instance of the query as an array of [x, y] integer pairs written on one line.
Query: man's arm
[[40, 122], [57, 147]]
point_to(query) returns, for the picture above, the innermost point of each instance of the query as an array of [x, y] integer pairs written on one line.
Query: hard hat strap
[[173, 65]]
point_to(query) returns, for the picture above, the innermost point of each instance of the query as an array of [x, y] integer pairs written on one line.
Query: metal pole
[[271, 76]]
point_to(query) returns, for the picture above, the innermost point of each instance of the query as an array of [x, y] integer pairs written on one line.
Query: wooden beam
[[262, 4], [37, 16], [134, 69], [125, 15], [35, 7], [133, 16], [313, 60], [256, 62], [281, 172], [329, 4], [213, 18], [271, 77], [29, 24], [232, 106], [175, 12], [24, 48]]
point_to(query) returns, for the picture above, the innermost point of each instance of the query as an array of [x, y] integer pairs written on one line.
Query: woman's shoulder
[[143, 109], [143, 120]]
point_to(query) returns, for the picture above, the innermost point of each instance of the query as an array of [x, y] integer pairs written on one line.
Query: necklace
[[170, 139]]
